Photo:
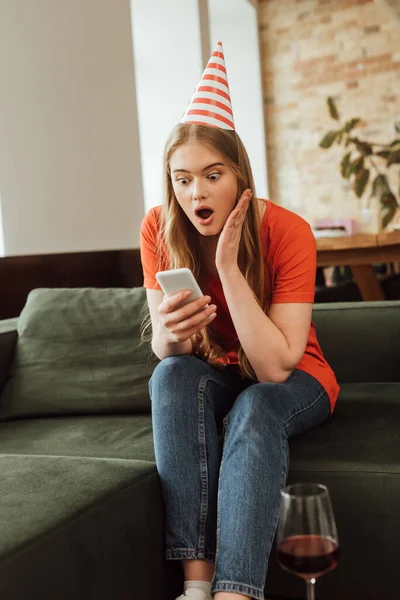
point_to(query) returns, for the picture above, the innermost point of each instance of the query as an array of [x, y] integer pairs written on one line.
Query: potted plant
[[364, 161]]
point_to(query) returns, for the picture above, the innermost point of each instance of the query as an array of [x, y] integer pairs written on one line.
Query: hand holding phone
[[185, 310]]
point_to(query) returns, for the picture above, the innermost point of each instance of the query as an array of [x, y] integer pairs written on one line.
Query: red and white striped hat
[[211, 102]]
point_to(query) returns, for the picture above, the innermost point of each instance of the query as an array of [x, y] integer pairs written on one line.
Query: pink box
[[348, 225]]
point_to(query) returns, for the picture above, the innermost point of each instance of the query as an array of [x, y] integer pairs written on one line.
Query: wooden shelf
[[361, 251], [389, 239], [358, 240]]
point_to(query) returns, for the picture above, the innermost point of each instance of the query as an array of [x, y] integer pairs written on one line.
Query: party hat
[[211, 102]]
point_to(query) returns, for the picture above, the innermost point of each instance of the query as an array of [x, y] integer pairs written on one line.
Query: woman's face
[[204, 185]]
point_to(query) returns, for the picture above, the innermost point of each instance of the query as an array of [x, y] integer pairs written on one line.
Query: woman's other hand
[[226, 256]]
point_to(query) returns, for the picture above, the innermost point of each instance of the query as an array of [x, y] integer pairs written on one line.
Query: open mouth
[[204, 213]]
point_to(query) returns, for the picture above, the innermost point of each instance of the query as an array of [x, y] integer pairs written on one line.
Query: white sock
[[192, 588]]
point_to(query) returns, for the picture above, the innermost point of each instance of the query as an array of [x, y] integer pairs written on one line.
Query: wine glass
[[307, 539]]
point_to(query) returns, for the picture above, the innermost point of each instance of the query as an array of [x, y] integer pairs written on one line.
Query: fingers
[[195, 322], [183, 320], [173, 303], [245, 198], [238, 214], [188, 320], [185, 334]]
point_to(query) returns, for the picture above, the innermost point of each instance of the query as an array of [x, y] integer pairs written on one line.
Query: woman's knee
[[271, 406], [174, 371], [258, 405], [177, 365]]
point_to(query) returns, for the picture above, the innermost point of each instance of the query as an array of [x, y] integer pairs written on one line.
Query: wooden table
[[360, 252]]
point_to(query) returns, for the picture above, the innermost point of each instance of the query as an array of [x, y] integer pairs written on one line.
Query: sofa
[[81, 513]]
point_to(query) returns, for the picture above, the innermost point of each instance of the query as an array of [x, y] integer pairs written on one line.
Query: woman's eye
[[214, 176], [183, 181]]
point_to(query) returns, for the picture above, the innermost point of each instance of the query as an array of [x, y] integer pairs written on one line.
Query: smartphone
[[177, 280]]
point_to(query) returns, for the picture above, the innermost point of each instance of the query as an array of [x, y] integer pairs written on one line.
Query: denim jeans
[[221, 447]]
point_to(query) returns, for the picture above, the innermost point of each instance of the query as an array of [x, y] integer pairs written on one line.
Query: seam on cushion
[[128, 333], [72, 456], [347, 308], [383, 473], [75, 520]]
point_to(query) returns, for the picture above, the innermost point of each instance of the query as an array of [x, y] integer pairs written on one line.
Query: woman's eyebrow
[[216, 164]]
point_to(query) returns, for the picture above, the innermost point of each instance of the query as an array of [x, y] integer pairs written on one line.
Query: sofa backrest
[[8, 340], [79, 352], [360, 340]]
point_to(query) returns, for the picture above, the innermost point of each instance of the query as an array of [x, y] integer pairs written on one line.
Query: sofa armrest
[[8, 340], [360, 340]]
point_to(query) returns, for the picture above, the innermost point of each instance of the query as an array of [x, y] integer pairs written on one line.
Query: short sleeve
[[295, 267], [150, 254]]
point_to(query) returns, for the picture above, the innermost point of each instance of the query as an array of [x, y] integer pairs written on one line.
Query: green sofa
[[81, 514]]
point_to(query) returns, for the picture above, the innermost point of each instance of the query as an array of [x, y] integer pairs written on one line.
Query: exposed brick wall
[[311, 49]]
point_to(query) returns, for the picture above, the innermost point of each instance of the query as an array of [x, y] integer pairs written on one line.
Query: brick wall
[[349, 49]]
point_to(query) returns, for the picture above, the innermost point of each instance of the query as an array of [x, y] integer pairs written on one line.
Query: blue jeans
[[221, 447]]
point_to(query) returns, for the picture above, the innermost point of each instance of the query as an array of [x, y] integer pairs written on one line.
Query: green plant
[[364, 161]]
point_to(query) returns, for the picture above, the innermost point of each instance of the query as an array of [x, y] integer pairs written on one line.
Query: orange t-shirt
[[289, 252]]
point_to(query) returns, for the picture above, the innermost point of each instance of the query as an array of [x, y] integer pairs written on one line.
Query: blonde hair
[[183, 249]]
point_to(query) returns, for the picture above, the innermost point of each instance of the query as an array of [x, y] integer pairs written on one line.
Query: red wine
[[308, 555]]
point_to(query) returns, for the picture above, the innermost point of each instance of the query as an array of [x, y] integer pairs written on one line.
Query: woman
[[241, 370]]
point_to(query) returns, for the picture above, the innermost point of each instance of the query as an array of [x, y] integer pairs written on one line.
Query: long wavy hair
[[181, 241]]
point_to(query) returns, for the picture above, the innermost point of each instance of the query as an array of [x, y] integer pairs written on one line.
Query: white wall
[[73, 174], [169, 62], [234, 22], [2, 251], [70, 176], [168, 65]]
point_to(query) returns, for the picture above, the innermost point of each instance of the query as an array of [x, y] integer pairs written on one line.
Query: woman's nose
[[199, 190]]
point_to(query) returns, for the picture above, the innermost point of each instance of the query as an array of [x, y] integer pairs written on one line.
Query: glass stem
[[311, 589]]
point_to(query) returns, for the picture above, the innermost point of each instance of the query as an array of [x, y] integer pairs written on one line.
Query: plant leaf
[[332, 108], [363, 147], [380, 186], [344, 165], [384, 153], [387, 216], [388, 199], [328, 139], [382, 192], [361, 182], [394, 158], [349, 125], [388, 208], [357, 166]]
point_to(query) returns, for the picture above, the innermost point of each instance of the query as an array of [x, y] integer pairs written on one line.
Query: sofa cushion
[[356, 455], [362, 436], [96, 436], [360, 340], [79, 528], [79, 352]]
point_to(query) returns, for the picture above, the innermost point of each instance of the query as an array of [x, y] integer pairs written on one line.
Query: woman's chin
[[207, 230]]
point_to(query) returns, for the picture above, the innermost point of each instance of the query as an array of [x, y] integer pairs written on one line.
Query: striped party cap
[[211, 102]]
